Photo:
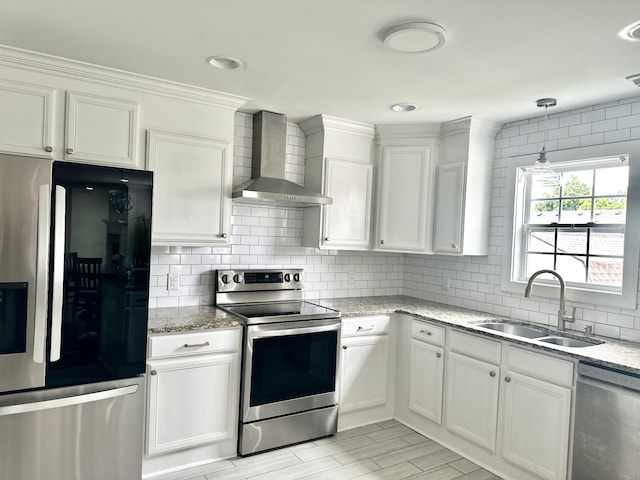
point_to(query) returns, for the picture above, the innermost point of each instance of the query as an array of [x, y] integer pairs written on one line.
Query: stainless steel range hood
[[268, 185]]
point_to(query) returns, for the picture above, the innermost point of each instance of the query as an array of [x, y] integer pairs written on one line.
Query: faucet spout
[[562, 312]]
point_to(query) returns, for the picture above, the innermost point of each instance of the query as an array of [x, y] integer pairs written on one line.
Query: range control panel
[[251, 280]]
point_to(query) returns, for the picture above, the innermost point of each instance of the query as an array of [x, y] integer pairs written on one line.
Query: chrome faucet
[[562, 313]]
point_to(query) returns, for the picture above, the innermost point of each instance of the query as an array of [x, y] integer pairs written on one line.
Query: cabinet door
[[192, 189], [536, 425], [472, 399], [447, 228], [101, 130], [26, 119], [365, 370], [426, 373], [192, 401], [347, 222], [403, 199]]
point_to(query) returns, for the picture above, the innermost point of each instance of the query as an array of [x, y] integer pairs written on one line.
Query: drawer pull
[[48, 149], [153, 372], [195, 345], [492, 374], [344, 347], [438, 355], [507, 379], [364, 329], [425, 332], [69, 151]]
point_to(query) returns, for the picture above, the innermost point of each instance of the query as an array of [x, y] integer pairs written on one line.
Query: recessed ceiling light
[[631, 32], [225, 63], [415, 37], [404, 107]]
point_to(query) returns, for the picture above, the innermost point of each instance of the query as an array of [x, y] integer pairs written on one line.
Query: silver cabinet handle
[[344, 347], [68, 401], [224, 235], [196, 345], [153, 372], [438, 355], [69, 151], [364, 329], [48, 149], [42, 273], [492, 374], [507, 379], [381, 242], [59, 224], [326, 239], [453, 245], [425, 332]]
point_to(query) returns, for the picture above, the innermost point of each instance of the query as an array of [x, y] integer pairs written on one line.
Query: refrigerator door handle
[[42, 273], [59, 223], [68, 401]]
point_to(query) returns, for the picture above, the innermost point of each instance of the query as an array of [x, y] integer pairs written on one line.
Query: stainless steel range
[[290, 360]]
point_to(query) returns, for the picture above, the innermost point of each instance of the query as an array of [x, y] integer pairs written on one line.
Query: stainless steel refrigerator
[[74, 280]]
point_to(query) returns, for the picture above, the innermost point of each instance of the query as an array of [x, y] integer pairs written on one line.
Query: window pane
[[610, 210], [545, 211], [539, 190], [577, 184], [572, 241], [605, 271], [572, 268], [577, 210], [607, 243], [612, 181], [541, 241], [537, 262]]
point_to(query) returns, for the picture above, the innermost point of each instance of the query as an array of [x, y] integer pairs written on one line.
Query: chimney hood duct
[[268, 185]]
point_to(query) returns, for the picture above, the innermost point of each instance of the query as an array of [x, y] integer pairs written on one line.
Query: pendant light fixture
[[541, 172]]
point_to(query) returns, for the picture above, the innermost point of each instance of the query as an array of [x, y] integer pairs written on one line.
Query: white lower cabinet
[[472, 391], [364, 372], [504, 407], [193, 397]]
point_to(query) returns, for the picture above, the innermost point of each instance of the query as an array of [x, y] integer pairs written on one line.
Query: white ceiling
[[304, 57]]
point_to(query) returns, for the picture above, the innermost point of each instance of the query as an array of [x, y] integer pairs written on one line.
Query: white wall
[[265, 237], [474, 282], [271, 237]]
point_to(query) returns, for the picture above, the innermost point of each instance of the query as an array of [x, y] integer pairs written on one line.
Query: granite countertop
[[186, 319], [613, 353]]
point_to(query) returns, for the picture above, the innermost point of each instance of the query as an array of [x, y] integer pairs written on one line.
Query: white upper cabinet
[[339, 163], [463, 188], [101, 130], [404, 200], [192, 189], [26, 118]]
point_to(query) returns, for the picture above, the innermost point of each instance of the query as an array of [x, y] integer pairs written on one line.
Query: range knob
[[287, 277], [225, 278], [296, 277], [237, 278]]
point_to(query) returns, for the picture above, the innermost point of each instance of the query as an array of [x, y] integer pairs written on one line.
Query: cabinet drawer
[[477, 347], [540, 366], [370, 325], [194, 343], [427, 332]]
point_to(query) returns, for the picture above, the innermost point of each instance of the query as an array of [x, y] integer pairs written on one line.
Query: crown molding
[[323, 123]]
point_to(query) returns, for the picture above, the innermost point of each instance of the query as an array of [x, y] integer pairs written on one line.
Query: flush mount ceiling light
[[225, 63], [541, 172], [415, 37], [403, 107], [631, 32]]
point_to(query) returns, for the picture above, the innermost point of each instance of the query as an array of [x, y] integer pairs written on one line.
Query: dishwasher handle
[[618, 378]]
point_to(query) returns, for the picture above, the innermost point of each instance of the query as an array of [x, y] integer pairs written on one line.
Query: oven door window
[[293, 366]]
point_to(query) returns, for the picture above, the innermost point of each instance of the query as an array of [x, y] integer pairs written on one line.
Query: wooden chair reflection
[[86, 294]]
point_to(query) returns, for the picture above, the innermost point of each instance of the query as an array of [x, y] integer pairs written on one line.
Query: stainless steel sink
[[514, 329], [569, 342]]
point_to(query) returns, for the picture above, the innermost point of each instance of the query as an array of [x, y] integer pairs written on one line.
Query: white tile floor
[[380, 451]]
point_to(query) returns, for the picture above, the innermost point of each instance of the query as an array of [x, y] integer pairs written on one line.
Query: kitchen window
[[586, 228]]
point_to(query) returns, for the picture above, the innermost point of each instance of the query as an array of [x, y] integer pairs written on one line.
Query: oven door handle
[[276, 330]]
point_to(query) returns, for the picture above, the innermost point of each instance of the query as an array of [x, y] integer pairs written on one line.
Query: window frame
[[514, 231]]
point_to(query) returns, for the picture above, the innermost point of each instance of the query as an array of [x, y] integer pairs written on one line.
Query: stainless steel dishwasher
[[607, 425]]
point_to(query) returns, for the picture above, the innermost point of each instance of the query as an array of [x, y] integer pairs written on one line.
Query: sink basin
[[569, 342], [513, 329]]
